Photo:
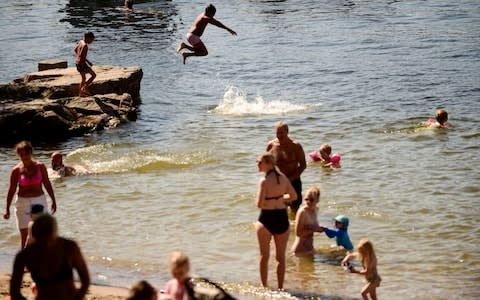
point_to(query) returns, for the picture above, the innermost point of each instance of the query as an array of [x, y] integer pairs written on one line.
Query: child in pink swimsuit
[[324, 155], [179, 266]]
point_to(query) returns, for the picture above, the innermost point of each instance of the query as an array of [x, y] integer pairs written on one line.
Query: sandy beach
[[95, 292]]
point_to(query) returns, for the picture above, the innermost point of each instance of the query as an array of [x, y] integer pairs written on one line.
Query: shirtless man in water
[[193, 36], [59, 167], [290, 159]]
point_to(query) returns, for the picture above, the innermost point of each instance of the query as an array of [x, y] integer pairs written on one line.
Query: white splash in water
[[235, 102], [117, 158]]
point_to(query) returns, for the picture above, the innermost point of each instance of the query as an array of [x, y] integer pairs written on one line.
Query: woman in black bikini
[[273, 194]]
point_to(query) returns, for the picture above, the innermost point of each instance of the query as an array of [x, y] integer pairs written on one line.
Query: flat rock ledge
[[44, 106]]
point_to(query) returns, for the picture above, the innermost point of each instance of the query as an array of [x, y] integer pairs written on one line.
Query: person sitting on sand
[[59, 167], [324, 155], [441, 118], [193, 36], [306, 224], [179, 266], [143, 290], [50, 260]]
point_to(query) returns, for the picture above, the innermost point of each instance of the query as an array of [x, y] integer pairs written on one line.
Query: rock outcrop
[[43, 106], [52, 64]]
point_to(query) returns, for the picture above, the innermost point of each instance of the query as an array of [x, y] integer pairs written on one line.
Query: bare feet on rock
[[84, 93]]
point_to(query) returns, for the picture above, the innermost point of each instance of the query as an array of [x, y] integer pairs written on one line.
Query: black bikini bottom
[[275, 220]]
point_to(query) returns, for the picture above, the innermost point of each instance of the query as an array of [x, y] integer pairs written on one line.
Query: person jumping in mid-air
[[193, 36]]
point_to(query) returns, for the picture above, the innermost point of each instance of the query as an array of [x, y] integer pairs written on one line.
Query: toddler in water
[[179, 266], [306, 224], [35, 211], [340, 232], [324, 156], [367, 256], [441, 118]]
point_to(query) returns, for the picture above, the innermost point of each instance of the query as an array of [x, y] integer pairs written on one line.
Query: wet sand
[[95, 292]]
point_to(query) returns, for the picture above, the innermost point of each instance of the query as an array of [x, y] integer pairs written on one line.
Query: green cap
[[342, 219]]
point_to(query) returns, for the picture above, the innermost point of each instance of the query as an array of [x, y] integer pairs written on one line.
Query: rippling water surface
[[360, 75]]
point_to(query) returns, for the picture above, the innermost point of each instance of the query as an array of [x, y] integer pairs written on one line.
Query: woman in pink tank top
[[27, 179]]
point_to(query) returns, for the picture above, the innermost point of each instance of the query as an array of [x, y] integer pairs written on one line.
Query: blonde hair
[[326, 148], [367, 253], [178, 260], [314, 191], [269, 158], [24, 146], [441, 116]]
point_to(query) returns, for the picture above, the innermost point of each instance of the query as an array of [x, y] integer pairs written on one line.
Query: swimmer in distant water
[[324, 156], [441, 118], [59, 167], [196, 31], [128, 8], [128, 5]]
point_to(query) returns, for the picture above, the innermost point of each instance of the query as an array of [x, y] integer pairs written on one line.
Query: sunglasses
[[309, 199]]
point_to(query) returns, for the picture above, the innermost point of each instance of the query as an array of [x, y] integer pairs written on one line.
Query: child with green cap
[[340, 232]]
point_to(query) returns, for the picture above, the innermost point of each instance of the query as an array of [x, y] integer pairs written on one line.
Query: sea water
[[359, 75]]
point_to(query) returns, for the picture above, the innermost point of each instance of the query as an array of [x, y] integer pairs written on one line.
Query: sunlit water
[[360, 75]]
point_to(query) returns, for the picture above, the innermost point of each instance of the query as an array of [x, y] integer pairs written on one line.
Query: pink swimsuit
[[25, 181], [193, 39]]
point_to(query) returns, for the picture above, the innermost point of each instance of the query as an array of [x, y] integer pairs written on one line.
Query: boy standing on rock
[[193, 36], [84, 66]]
